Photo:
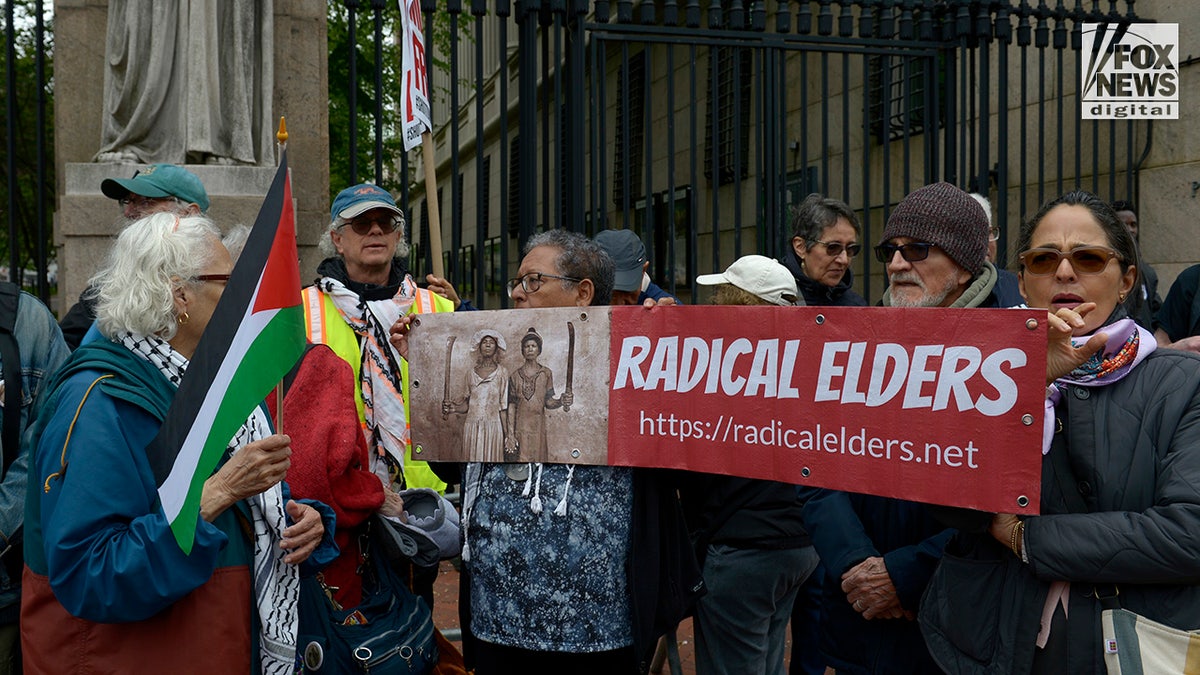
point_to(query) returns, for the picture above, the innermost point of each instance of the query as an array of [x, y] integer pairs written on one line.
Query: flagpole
[[282, 137], [431, 202]]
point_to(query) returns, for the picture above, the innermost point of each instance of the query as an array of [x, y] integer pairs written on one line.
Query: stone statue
[[188, 82]]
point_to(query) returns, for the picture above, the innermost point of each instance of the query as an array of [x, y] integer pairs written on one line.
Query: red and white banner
[[941, 406], [414, 104]]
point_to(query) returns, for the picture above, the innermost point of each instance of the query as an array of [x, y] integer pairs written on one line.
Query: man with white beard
[[879, 553], [935, 248]]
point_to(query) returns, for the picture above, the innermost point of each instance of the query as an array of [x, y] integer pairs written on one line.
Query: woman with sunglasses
[[1121, 462], [824, 241], [364, 287]]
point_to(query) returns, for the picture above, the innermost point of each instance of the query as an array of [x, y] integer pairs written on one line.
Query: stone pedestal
[[85, 220], [236, 193]]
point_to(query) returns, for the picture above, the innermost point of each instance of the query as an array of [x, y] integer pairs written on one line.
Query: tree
[[364, 86], [24, 160]]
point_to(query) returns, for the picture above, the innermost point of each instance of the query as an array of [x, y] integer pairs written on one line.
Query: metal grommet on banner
[[575, 453], [415, 383], [1027, 419], [416, 321], [583, 316], [1022, 501], [805, 472], [820, 319], [417, 449], [1031, 323]]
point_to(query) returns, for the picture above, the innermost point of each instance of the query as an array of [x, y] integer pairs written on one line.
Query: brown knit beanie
[[944, 215]]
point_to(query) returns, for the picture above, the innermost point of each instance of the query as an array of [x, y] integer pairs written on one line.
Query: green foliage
[[364, 85], [24, 216], [339, 99]]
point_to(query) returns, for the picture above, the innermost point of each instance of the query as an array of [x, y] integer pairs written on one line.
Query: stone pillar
[[85, 220]]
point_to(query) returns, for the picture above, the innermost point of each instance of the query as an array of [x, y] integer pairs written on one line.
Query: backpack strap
[[10, 356]]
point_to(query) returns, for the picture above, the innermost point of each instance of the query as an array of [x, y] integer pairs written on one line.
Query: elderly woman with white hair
[[106, 585], [484, 401]]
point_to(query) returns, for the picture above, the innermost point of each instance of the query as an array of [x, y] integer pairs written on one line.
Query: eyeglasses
[[223, 278], [363, 226], [1085, 259], [533, 281], [835, 248], [139, 202], [914, 252], [993, 233]]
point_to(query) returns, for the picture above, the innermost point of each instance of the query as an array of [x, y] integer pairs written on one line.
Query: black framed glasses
[[913, 252], [533, 281], [363, 225], [1085, 259], [223, 278], [835, 248]]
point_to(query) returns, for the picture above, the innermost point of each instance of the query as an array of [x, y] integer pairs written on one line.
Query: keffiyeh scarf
[[276, 584], [380, 375]]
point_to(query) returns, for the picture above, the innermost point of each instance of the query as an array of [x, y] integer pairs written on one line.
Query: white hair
[[986, 204], [152, 258], [235, 240], [325, 244]]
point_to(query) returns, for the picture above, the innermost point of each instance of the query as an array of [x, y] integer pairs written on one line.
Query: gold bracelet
[[1015, 536]]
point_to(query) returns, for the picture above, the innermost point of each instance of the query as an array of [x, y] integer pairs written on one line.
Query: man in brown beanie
[[879, 553], [935, 247]]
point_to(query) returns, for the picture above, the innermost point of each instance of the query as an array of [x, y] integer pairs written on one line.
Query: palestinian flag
[[255, 336]]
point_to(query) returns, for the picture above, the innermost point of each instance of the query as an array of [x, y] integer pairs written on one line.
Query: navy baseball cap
[[629, 256], [357, 200], [159, 181]]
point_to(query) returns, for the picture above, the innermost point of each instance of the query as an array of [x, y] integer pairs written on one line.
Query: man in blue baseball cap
[[156, 189], [364, 287]]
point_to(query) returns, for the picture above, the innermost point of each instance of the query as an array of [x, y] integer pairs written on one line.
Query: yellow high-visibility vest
[[324, 325]]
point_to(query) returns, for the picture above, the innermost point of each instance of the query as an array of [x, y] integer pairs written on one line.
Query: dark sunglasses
[[1085, 259], [835, 248], [363, 226], [223, 278], [914, 252]]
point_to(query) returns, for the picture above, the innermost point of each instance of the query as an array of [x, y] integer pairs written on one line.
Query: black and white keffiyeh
[[380, 383], [276, 584]]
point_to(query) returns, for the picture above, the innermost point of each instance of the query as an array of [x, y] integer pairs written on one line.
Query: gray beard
[[927, 299]]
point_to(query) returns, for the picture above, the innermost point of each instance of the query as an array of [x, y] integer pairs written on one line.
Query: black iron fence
[[697, 124]]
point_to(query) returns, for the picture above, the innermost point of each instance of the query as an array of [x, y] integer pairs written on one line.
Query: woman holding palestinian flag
[[107, 586]]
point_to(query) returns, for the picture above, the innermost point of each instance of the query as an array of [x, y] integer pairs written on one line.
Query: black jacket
[[818, 294], [1134, 451], [664, 578], [742, 512]]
